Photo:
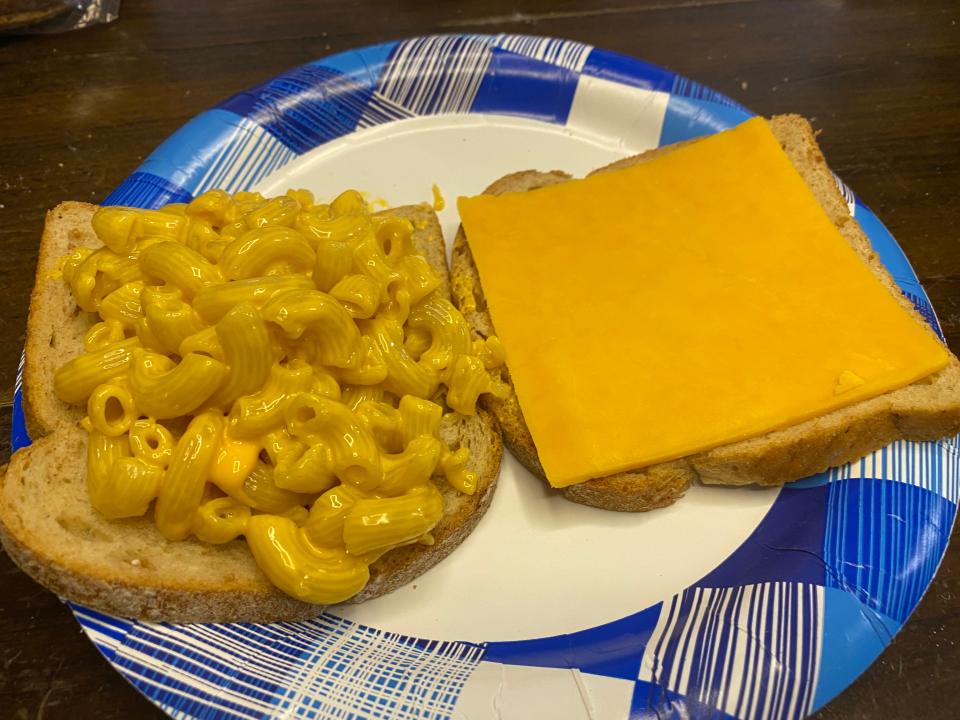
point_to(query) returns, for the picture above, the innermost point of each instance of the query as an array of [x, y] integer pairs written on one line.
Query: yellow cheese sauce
[[439, 203], [684, 303], [273, 369]]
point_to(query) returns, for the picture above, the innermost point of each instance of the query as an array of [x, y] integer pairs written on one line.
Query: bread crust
[[49, 528], [926, 410], [54, 321]]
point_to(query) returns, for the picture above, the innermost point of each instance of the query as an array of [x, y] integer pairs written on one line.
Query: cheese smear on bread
[[698, 299]]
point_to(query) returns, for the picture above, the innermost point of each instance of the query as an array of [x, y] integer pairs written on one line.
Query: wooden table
[[80, 111]]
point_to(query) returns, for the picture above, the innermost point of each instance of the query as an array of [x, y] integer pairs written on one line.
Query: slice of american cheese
[[694, 300]]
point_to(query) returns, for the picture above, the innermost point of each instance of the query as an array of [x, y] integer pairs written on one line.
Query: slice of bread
[[925, 410], [55, 324], [49, 528]]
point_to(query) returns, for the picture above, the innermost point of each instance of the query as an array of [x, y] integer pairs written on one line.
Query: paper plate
[[734, 602]]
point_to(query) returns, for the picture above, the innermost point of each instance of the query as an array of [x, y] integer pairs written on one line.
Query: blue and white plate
[[738, 603]]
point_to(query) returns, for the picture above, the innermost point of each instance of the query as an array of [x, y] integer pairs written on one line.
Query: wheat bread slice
[[55, 324], [925, 410], [49, 528]]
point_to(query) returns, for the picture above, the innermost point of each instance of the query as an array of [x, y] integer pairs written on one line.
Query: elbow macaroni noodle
[[273, 369]]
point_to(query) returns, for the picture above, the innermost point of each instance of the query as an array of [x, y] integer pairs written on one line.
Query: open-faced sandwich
[[707, 311], [245, 409]]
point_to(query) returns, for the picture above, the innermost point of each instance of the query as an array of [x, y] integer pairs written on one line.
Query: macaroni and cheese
[[275, 369]]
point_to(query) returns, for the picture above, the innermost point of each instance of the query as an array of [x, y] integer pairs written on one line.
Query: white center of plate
[[537, 565]]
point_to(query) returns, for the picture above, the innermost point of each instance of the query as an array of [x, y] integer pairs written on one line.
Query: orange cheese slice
[[691, 301]]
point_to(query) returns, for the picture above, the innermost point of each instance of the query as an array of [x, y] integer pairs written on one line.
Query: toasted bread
[[925, 410], [49, 528]]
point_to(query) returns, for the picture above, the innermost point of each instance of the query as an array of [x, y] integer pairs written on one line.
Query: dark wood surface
[[80, 111]]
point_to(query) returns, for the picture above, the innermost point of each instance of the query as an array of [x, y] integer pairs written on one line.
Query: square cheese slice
[[680, 304]]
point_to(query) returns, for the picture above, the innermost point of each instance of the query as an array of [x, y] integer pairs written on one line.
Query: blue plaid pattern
[[322, 668]]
